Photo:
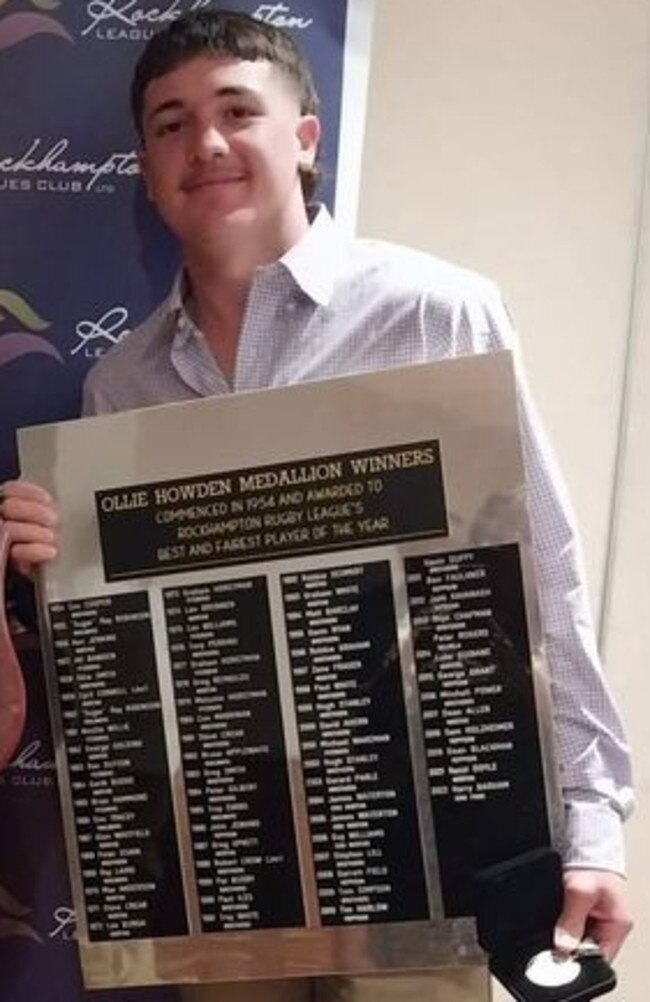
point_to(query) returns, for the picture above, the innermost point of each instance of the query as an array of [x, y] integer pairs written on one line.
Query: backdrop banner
[[83, 260]]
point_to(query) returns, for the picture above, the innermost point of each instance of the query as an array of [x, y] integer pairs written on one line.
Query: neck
[[221, 270], [231, 251]]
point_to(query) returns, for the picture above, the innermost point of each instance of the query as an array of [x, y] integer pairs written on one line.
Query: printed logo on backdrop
[[120, 20], [280, 15], [31, 766], [64, 924], [14, 917], [14, 921], [35, 18], [21, 330], [95, 337], [123, 20], [53, 167], [133, 20]]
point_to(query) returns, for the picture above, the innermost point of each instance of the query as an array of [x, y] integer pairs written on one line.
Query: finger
[[565, 942], [26, 556], [570, 926], [610, 924], [29, 533], [17, 510], [595, 902], [26, 489], [610, 935]]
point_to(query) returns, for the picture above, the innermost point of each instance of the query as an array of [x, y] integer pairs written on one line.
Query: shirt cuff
[[593, 838]]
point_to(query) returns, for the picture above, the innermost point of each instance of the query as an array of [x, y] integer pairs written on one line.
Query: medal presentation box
[[296, 677]]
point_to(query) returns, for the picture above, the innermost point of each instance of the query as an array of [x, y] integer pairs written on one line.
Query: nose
[[208, 142]]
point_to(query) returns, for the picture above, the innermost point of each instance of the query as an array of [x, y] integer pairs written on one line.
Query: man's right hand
[[31, 518]]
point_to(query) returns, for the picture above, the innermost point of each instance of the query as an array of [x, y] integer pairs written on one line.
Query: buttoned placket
[[270, 323]]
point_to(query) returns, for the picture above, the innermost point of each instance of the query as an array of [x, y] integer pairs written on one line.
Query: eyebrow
[[177, 104]]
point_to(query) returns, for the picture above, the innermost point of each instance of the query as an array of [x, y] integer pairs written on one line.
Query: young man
[[271, 294]]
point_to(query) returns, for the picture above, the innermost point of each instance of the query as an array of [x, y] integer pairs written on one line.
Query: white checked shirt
[[332, 307]]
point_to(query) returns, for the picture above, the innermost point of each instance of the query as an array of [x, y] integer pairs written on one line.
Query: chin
[[212, 220], [242, 215]]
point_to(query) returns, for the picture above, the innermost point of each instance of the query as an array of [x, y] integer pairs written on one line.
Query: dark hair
[[226, 33]]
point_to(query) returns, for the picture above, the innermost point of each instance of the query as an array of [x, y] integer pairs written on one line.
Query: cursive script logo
[[94, 334], [64, 924], [30, 758], [30, 767], [280, 15], [129, 14], [51, 168], [115, 20], [15, 343]]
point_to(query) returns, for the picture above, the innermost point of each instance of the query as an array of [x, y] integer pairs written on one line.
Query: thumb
[[570, 926]]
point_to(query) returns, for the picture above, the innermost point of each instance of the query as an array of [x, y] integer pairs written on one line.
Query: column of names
[[115, 745], [234, 755], [353, 736], [477, 703]]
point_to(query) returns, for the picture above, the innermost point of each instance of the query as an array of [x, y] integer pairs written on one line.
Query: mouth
[[212, 181]]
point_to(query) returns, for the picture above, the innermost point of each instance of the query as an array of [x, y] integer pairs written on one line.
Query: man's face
[[223, 143]]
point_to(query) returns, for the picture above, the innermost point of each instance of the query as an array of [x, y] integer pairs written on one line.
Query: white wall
[[509, 135]]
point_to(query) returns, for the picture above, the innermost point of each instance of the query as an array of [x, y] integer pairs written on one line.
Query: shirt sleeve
[[593, 754], [95, 400]]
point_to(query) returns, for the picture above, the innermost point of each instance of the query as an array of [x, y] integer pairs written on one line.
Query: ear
[[308, 132]]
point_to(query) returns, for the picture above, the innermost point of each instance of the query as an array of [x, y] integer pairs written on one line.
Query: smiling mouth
[[221, 181]]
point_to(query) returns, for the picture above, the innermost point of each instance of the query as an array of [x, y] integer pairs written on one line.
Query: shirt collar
[[174, 304], [315, 260]]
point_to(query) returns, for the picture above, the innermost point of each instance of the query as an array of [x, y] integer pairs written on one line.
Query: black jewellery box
[[517, 905]]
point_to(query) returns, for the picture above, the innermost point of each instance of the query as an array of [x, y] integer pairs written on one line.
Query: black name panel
[[115, 742], [353, 736], [234, 755], [478, 712]]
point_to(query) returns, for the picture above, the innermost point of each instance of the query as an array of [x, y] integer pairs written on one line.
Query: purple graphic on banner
[[13, 344], [17, 28], [86, 261]]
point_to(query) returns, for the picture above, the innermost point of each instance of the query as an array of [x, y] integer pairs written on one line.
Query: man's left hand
[[595, 905]]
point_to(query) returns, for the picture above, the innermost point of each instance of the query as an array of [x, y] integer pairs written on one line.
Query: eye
[[239, 113], [168, 128]]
